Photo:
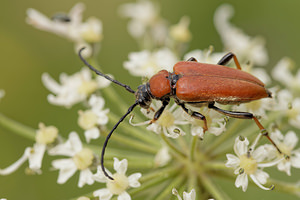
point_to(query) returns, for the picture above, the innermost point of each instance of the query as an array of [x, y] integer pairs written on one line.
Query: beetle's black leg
[[192, 59], [245, 115], [195, 115], [227, 58], [158, 113]]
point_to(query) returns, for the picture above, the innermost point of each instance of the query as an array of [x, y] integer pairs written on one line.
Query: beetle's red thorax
[[160, 84], [207, 82]]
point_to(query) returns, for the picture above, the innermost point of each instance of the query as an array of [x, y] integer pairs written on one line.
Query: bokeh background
[[25, 53]]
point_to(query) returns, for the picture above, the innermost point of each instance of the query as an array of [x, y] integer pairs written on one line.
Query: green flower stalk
[[164, 158]]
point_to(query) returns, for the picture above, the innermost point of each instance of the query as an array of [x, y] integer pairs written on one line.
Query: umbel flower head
[[45, 137]]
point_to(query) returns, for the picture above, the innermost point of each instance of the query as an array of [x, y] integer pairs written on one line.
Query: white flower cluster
[[251, 161], [69, 26]]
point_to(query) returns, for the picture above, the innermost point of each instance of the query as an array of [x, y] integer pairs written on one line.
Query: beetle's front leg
[[195, 115], [158, 113], [245, 115], [227, 58]]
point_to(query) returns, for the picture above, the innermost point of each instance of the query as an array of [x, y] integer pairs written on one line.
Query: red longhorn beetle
[[197, 84]]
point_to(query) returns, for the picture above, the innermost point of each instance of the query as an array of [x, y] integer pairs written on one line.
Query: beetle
[[196, 84]]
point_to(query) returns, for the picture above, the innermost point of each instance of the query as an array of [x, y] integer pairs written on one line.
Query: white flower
[[2, 93], [289, 107], [80, 159], [73, 89], [146, 63], [34, 155], [247, 163], [119, 185], [186, 196], [215, 122], [180, 32], [73, 28], [142, 14], [235, 40], [90, 119], [283, 72], [162, 157], [286, 144], [168, 121]]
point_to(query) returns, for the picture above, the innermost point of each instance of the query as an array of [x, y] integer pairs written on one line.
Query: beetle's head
[[143, 96]]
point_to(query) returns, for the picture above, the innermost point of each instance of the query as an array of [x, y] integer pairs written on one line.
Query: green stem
[[290, 188], [220, 140], [167, 191], [213, 189], [154, 178], [17, 127], [137, 132], [134, 163], [134, 143], [215, 165], [193, 147], [246, 132], [114, 98], [172, 146], [160, 172]]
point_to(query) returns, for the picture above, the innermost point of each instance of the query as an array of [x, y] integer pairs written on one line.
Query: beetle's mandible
[[197, 84]]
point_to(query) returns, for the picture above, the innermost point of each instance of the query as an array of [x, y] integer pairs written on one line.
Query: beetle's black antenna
[[104, 75], [109, 135]]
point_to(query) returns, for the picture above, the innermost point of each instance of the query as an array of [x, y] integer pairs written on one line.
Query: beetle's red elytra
[[206, 82], [197, 84]]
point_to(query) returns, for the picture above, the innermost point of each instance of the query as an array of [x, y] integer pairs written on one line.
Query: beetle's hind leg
[[227, 58], [245, 115], [195, 115]]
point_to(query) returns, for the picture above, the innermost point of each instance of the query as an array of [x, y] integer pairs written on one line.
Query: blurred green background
[[26, 53]]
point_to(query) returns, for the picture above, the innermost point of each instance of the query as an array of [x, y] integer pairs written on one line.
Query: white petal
[[232, 161], [36, 157], [96, 102], [102, 116], [162, 157], [189, 196], [124, 196], [217, 130], [120, 166], [285, 166], [242, 181], [290, 139], [93, 133], [254, 178], [261, 176], [69, 148], [76, 13], [260, 153], [66, 169], [241, 147], [100, 177], [85, 177], [103, 194], [133, 180], [50, 83], [10, 169]]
